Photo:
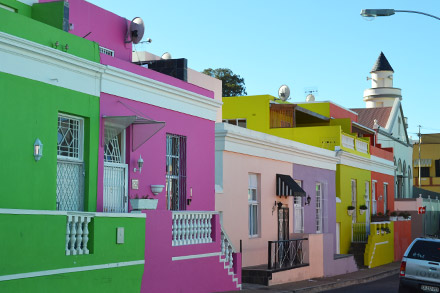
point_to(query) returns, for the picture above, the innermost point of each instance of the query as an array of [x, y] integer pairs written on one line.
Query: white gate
[[115, 188], [70, 186]]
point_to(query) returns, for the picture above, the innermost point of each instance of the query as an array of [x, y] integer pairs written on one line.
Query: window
[[319, 201], [70, 164], [385, 197], [253, 205], [239, 122], [373, 196], [298, 211], [353, 199], [176, 172], [70, 137], [437, 168], [425, 172]]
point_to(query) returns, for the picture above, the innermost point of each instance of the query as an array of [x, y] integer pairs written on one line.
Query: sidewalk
[[322, 284]]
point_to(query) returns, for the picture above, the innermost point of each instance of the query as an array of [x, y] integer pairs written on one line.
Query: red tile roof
[[367, 115]]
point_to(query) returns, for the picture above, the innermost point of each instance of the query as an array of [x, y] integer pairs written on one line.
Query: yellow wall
[[380, 247], [428, 151], [320, 108], [344, 175]]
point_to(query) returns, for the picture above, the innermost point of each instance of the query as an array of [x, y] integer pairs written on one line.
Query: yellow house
[[429, 162]]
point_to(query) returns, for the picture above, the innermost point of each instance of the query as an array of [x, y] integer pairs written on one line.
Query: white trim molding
[[31, 60], [242, 140], [184, 257], [65, 213], [373, 163], [135, 87], [70, 270]]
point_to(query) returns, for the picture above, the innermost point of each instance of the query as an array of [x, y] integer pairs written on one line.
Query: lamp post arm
[[418, 12]]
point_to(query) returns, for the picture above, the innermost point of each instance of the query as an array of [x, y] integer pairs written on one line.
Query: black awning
[[286, 186]]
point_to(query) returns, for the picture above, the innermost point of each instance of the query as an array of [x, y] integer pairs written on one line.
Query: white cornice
[[373, 163], [132, 86], [41, 63], [34, 61], [241, 140]]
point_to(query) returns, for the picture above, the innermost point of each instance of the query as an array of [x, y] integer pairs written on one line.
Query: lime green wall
[[380, 247], [19, 7], [32, 30], [50, 13], [344, 175], [320, 108], [254, 108], [32, 243], [29, 111]]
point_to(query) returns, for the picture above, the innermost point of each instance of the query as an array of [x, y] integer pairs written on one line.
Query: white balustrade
[[361, 146], [227, 249], [347, 141], [192, 227], [77, 234]]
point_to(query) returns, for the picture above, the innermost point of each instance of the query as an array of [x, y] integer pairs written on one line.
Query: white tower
[[382, 93]]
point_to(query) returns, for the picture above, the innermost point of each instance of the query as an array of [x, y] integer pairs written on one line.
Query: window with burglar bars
[[70, 164], [353, 199], [253, 205], [113, 149], [176, 172]]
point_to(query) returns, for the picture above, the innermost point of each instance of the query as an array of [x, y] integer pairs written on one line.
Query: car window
[[425, 250]]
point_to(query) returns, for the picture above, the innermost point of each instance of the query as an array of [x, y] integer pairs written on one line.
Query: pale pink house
[[277, 229], [168, 124]]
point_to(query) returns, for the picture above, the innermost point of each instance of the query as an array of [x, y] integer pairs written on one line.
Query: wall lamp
[[308, 200], [140, 164], [38, 149]]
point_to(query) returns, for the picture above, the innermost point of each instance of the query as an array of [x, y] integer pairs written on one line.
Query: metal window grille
[[106, 51], [69, 137], [176, 172], [70, 186], [112, 149], [115, 188]]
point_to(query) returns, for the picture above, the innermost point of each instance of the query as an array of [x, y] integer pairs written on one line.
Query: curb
[[346, 283]]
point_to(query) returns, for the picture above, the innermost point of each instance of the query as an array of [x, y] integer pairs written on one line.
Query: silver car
[[420, 268]]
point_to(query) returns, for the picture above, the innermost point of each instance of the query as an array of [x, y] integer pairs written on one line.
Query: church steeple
[[382, 64], [382, 93]]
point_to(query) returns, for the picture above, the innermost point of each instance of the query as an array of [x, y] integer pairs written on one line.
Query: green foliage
[[233, 84]]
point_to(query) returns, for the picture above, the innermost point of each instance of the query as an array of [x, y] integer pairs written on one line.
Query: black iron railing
[[286, 254]]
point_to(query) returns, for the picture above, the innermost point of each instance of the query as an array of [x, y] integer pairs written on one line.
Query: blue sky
[[318, 44]]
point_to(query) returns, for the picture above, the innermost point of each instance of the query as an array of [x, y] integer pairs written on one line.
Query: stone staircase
[[358, 251], [227, 258]]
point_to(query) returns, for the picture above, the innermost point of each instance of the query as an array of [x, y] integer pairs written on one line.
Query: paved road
[[385, 285]]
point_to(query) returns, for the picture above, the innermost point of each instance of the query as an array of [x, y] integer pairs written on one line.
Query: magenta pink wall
[[162, 274], [200, 153], [142, 71], [105, 28]]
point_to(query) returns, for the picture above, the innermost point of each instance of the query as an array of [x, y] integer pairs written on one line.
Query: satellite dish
[[310, 98], [135, 31], [166, 56], [284, 92]]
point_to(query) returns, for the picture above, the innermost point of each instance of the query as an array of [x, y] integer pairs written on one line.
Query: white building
[[384, 113]]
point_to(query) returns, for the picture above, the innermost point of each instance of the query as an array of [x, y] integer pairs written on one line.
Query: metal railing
[[285, 254], [359, 233]]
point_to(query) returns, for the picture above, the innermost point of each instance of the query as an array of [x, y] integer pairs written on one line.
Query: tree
[[233, 84]]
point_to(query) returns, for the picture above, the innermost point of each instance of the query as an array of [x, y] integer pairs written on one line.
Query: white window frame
[[354, 199], [251, 204], [319, 207], [236, 121], [80, 139], [373, 196], [298, 205]]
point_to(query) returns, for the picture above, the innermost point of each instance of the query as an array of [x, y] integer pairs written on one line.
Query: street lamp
[[389, 12]]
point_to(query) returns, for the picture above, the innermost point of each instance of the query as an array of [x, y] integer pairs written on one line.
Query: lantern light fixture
[[140, 163], [38, 149]]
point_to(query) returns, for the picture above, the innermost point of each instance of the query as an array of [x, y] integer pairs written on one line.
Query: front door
[[283, 223], [115, 173]]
